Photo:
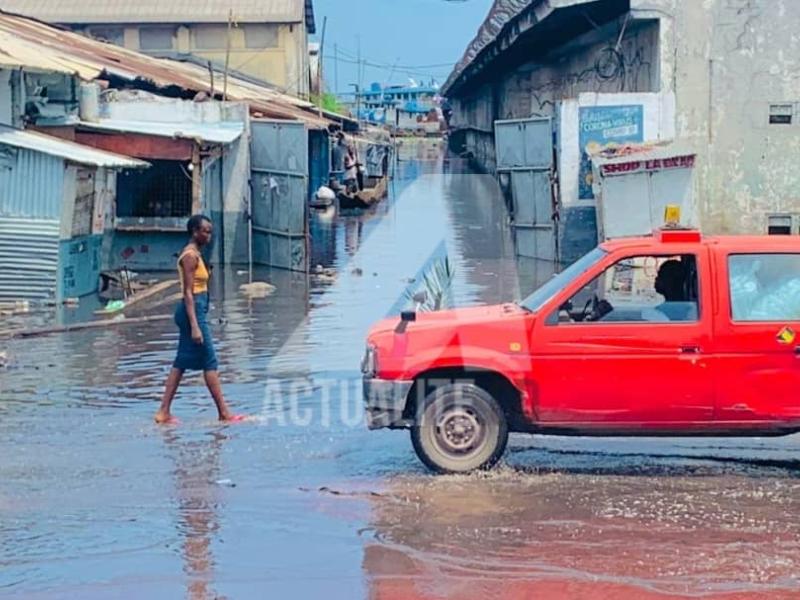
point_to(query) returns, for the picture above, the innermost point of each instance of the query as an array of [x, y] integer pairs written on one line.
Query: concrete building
[[576, 77], [267, 40], [410, 109]]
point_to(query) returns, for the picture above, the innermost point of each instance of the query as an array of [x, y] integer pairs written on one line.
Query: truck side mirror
[[408, 316]]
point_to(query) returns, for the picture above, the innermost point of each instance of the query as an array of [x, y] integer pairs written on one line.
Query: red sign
[[655, 164]]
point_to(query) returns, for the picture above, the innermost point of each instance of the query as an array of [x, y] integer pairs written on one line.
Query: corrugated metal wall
[[31, 195], [28, 258], [31, 184]]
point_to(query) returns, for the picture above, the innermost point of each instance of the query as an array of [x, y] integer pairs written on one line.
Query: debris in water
[[226, 483], [357, 272], [324, 275], [257, 289]]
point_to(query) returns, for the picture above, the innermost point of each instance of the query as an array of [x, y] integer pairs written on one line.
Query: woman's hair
[[196, 222]]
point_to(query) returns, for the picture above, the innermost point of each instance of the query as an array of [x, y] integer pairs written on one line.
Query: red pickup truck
[[673, 334]]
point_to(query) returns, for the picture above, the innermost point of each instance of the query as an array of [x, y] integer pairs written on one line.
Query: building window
[[781, 114], [779, 225], [163, 190], [156, 38], [765, 287], [112, 35], [259, 36], [649, 289], [211, 37]]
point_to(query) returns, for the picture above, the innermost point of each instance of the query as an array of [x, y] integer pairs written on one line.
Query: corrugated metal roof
[[502, 14], [218, 133], [158, 11], [71, 151], [37, 46]]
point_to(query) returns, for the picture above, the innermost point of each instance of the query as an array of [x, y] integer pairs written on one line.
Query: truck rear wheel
[[461, 428]]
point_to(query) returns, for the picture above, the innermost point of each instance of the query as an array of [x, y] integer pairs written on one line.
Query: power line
[[389, 68], [354, 58]]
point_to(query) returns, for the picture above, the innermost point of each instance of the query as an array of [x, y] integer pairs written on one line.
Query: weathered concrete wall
[[236, 190], [283, 63], [728, 62], [584, 65], [534, 89]]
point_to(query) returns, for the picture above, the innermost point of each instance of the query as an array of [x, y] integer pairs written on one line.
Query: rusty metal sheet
[[34, 45], [76, 153], [157, 11]]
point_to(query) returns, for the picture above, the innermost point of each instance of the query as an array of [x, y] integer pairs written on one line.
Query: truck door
[[757, 341], [631, 346]]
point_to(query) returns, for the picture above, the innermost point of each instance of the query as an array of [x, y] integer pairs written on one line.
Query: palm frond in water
[[435, 290]]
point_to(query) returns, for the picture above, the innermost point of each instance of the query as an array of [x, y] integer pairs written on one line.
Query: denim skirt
[[192, 356]]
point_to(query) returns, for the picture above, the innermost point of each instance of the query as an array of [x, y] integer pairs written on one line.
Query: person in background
[[195, 346], [350, 170], [338, 154]]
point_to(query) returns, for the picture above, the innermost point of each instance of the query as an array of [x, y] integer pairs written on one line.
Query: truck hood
[[449, 318]]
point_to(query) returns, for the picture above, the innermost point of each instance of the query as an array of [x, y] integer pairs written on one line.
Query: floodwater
[[303, 502]]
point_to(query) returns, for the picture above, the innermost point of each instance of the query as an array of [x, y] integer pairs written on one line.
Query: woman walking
[[196, 347]]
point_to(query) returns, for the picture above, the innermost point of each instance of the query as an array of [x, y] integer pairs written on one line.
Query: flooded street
[[304, 502]]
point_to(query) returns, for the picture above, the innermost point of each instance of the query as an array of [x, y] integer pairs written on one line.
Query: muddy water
[[302, 502]]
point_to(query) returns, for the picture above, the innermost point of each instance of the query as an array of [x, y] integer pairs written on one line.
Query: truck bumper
[[384, 403]]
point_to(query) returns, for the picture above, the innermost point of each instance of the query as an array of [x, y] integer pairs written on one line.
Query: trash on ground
[[257, 289]]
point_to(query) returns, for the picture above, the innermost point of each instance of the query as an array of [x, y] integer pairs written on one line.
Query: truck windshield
[[543, 295]]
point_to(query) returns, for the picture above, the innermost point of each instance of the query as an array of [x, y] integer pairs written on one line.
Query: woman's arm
[[189, 265]]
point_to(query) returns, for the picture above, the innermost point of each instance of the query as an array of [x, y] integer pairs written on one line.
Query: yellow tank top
[[201, 275]]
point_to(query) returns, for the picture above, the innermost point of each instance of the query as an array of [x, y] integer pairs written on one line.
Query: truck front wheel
[[461, 428]]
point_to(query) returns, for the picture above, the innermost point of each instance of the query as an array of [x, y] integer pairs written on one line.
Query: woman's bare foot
[[231, 418], [164, 418]]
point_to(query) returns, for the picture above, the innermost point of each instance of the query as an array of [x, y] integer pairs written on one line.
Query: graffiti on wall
[[602, 127]]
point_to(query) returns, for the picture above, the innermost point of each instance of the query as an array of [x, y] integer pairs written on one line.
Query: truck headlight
[[369, 364]]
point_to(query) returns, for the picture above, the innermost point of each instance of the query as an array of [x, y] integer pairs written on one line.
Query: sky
[[424, 38]]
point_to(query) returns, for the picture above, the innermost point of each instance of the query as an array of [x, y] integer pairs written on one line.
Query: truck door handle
[[797, 350], [690, 349]]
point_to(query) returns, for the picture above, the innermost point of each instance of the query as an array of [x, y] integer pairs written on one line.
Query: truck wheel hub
[[458, 430]]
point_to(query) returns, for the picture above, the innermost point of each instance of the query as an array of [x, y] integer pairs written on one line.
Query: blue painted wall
[[145, 251], [80, 260], [578, 232]]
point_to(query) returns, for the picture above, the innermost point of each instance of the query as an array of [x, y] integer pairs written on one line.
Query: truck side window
[[639, 289], [764, 287]]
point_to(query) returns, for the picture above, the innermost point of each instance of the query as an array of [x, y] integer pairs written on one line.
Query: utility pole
[[336, 69], [320, 63], [227, 56], [360, 84]]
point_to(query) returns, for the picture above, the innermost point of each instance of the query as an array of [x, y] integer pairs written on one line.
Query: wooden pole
[[27, 333], [227, 56], [197, 180], [319, 63]]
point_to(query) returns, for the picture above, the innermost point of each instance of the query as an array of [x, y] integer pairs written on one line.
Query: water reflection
[[196, 473], [633, 533]]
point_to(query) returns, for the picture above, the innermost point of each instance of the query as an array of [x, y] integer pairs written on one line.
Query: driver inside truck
[[672, 283]]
